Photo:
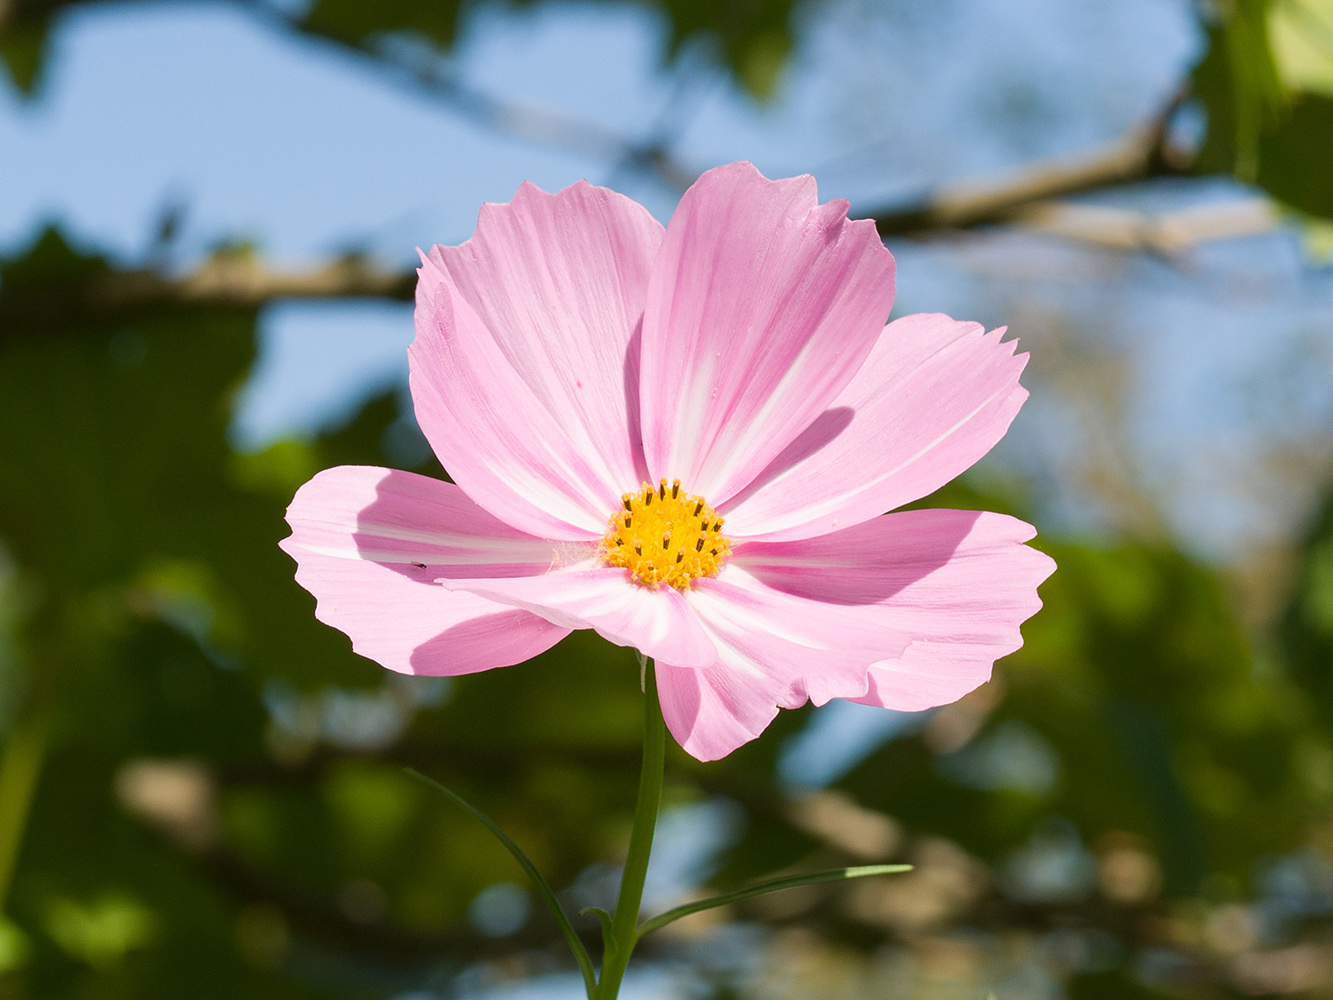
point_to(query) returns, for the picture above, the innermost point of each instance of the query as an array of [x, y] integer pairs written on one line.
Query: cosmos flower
[[685, 439]]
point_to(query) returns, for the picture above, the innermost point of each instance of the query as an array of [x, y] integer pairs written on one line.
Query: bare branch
[[245, 282], [964, 205], [238, 280], [1166, 233]]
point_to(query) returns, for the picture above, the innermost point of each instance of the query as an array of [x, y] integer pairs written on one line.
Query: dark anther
[[680, 556], [699, 545], [698, 507], [638, 548], [647, 497], [627, 502], [661, 489], [675, 489]]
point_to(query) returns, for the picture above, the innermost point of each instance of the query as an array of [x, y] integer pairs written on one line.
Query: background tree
[[201, 788]]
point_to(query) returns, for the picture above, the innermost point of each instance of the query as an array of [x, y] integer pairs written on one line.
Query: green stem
[[624, 925]]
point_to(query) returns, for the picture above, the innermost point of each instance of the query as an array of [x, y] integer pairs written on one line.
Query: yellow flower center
[[664, 535]]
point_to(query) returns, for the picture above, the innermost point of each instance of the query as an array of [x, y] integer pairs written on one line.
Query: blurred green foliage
[[222, 809], [1266, 84], [752, 38]]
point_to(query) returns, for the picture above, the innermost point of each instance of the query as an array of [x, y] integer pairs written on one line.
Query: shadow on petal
[[867, 563], [826, 427], [633, 352], [424, 529], [508, 637]]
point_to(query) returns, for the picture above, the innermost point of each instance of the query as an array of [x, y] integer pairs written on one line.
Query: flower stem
[[624, 924]]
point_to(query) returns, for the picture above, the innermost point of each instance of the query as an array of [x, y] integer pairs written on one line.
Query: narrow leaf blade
[[603, 918], [767, 886], [543, 887]]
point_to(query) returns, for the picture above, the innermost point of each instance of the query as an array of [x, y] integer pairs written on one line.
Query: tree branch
[[1029, 197], [247, 283], [227, 279], [1167, 233], [1137, 157]]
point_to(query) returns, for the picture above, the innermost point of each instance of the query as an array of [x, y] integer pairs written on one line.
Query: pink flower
[[685, 439]]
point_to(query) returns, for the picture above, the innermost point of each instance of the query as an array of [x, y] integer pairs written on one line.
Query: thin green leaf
[[543, 887], [768, 885], [603, 918]]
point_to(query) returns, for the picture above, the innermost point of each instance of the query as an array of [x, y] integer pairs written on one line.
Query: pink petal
[[959, 583], [761, 307], [714, 710], [525, 366], [774, 650], [368, 543], [656, 622], [934, 396]]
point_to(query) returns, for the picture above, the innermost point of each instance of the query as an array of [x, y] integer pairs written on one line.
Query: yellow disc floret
[[664, 535]]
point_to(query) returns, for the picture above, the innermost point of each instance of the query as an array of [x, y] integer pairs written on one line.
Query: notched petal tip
[[708, 714]]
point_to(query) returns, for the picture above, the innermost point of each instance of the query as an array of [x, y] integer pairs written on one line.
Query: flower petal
[[656, 622], [959, 583], [713, 710], [369, 543], [761, 307], [934, 396], [525, 366], [774, 650]]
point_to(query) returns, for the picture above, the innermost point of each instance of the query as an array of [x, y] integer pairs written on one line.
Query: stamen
[[676, 519]]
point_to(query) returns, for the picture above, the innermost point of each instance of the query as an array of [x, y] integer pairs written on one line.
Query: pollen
[[662, 534]]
